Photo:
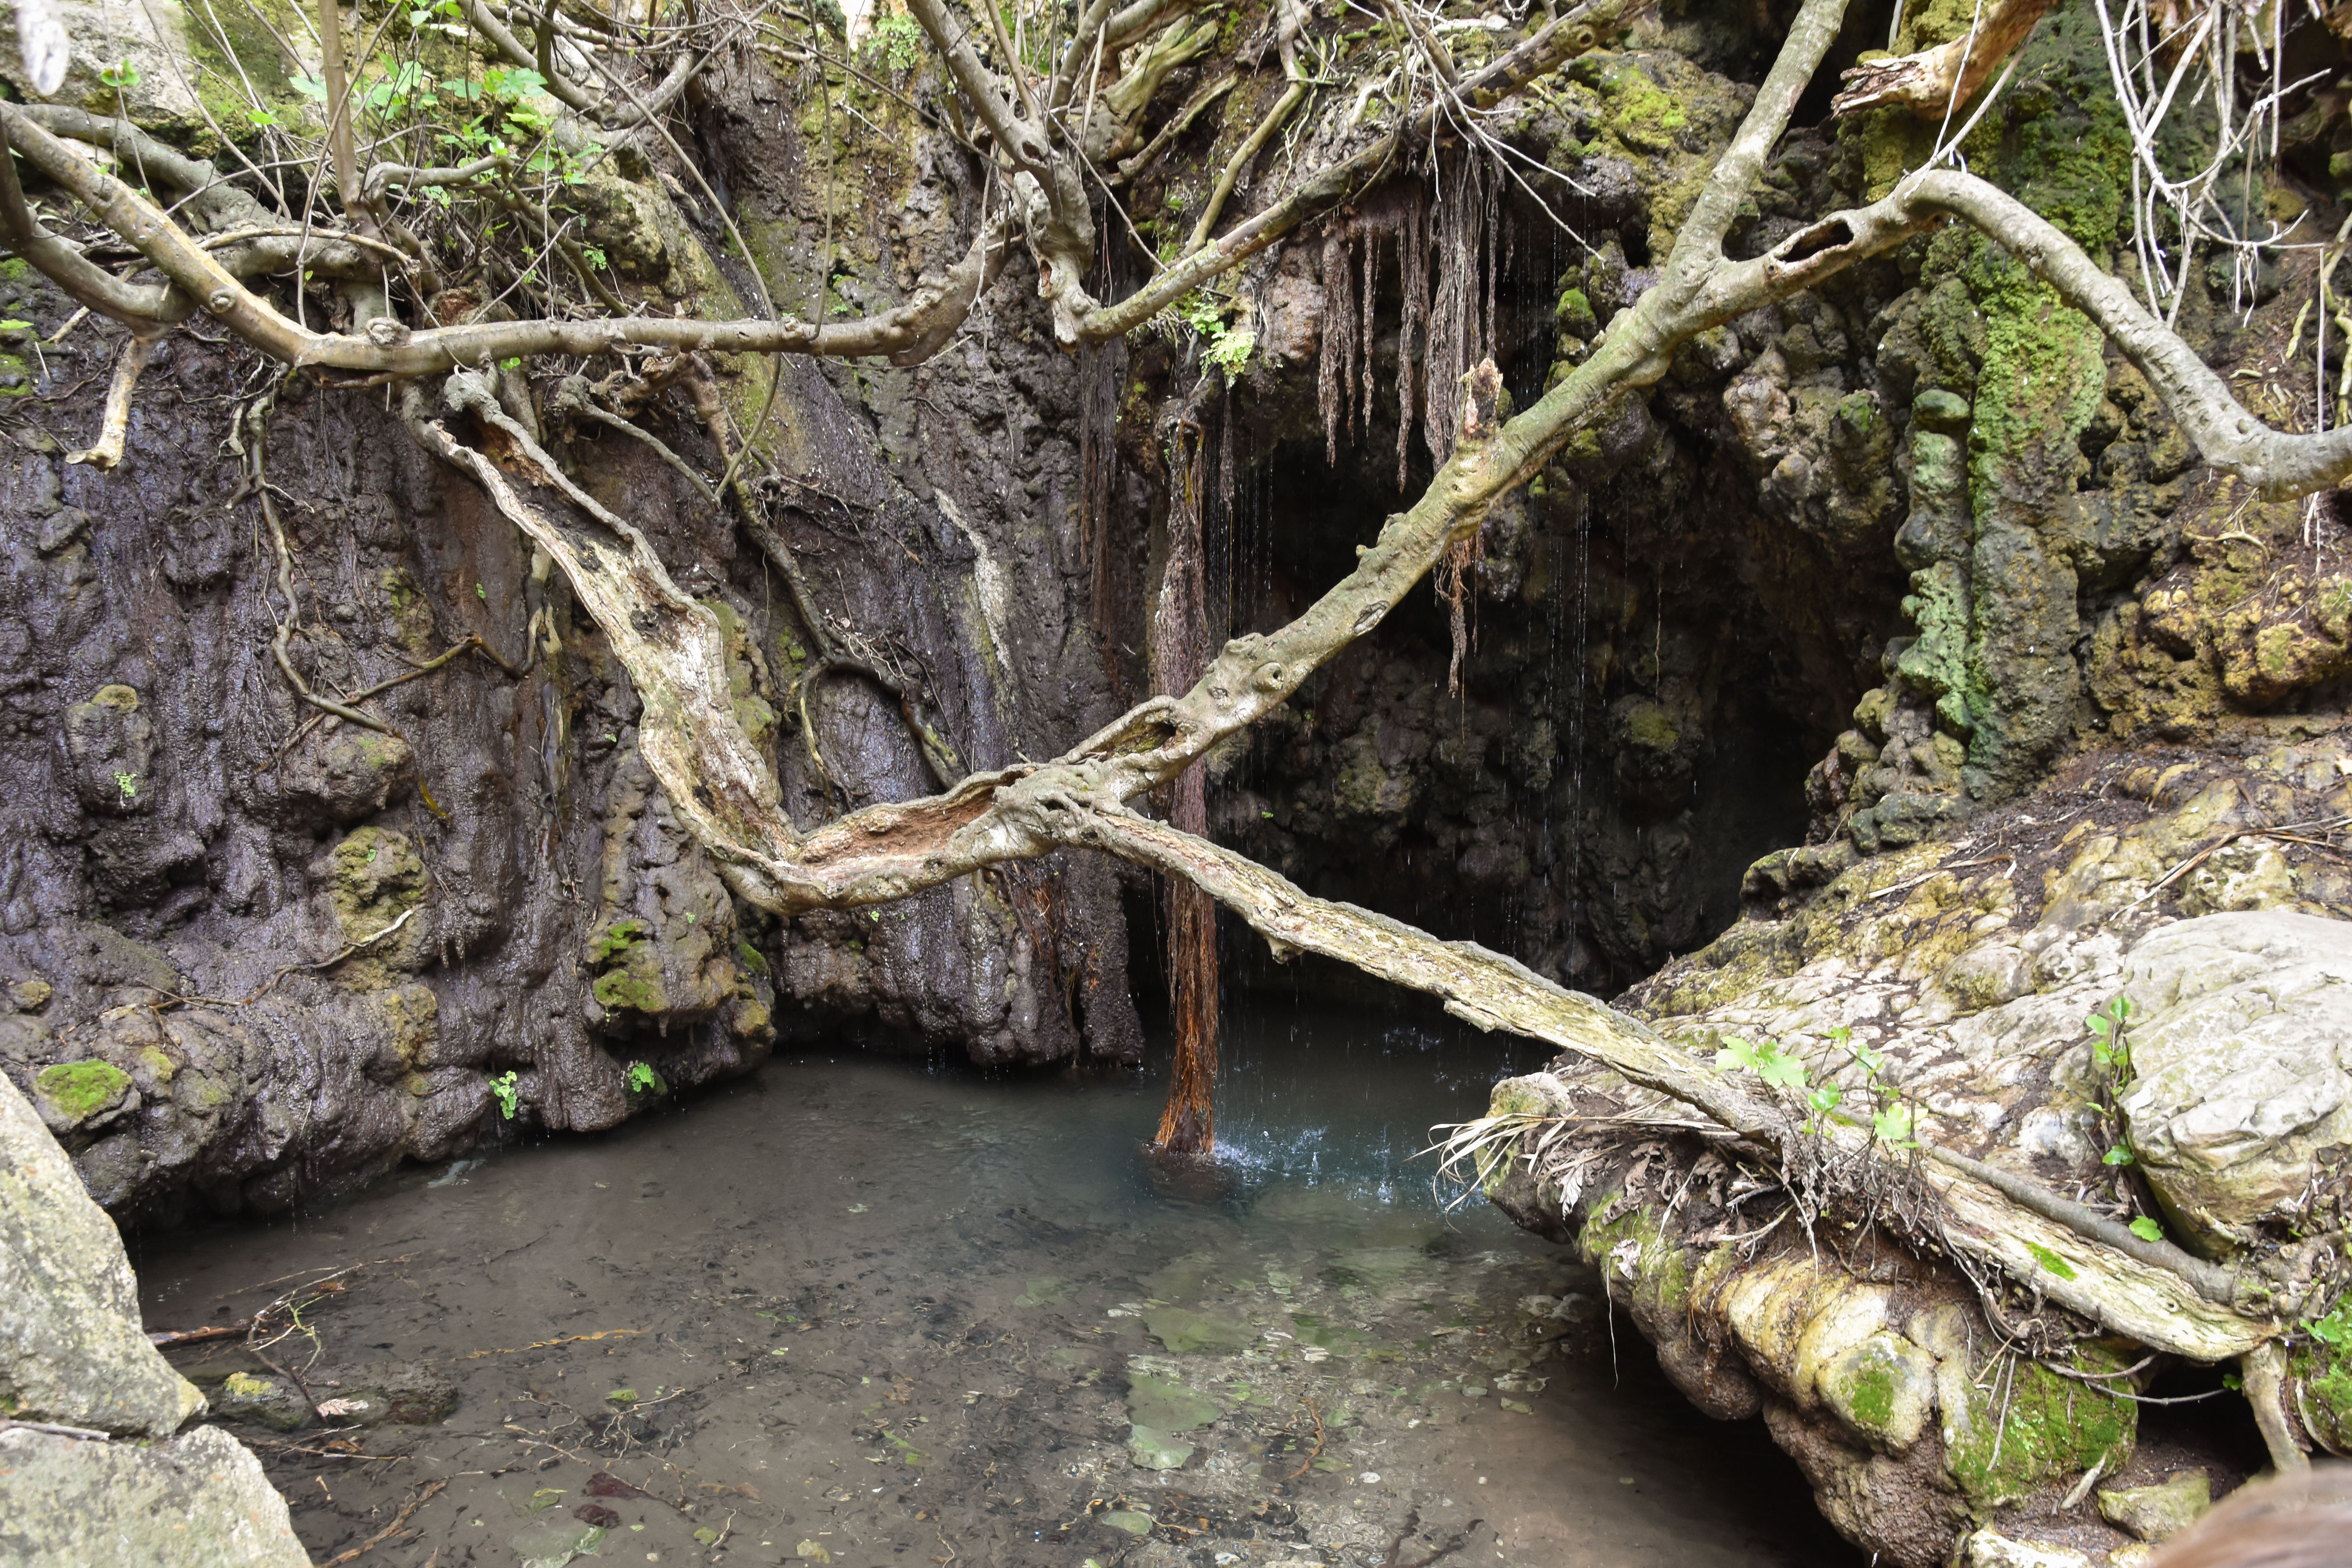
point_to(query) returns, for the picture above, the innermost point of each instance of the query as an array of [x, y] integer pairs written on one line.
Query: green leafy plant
[[2334, 1330], [1892, 1121], [1768, 1060], [2147, 1229], [503, 1090], [119, 77], [2110, 1046], [896, 41], [128, 783], [642, 1079], [1230, 350]]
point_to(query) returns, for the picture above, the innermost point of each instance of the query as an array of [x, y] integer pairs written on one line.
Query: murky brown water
[[867, 1312]]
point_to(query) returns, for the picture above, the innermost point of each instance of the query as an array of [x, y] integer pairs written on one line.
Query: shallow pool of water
[[862, 1311]]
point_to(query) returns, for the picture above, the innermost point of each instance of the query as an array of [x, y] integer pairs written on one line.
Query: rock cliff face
[[251, 952]]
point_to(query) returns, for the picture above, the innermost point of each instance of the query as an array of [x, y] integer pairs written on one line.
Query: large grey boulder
[[72, 1348], [2242, 1042], [195, 1501], [73, 1353]]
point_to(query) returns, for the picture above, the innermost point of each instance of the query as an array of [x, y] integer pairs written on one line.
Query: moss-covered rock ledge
[[1965, 993]]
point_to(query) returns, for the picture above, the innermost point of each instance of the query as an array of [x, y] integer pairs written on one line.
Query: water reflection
[[856, 1310]]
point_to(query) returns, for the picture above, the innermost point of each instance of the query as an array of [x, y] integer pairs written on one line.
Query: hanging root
[[1454, 569], [115, 429], [2263, 1370]]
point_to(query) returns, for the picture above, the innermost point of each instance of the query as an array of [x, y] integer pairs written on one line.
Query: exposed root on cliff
[[115, 428]]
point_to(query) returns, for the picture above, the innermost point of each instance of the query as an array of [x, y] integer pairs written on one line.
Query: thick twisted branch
[[2151, 1301], [906, 334]]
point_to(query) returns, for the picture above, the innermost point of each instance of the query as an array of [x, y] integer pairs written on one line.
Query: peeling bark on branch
[[1935, 83]]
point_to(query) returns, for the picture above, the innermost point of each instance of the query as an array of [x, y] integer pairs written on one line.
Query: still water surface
[[864, 1312]]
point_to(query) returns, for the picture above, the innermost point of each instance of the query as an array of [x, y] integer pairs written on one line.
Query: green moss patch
[[2023, 1427], [79, 1090], [615, 939]]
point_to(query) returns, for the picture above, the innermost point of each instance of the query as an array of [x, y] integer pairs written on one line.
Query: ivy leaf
[[2147, 1229], [1893, 1123], [1825, 1098], [2118, 1155], [2051, 1261], [1768, 1061]]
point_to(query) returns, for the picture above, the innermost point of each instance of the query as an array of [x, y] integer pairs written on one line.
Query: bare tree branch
[[2152, 1302], [147, 307], [2278, 465]]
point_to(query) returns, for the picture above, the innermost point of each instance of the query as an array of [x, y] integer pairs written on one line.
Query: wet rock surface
[[71, 1348], [250, 953]]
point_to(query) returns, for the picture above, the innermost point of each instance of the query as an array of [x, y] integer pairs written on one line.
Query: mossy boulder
[[110, 744], [2012, 1426], [258, 1401], [1884, 1389], [2161, 1511]]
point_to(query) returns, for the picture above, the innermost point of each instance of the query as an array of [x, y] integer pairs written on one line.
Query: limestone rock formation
[[1949, 990], [94, 1465], [71, 1349], [2238, 1039]]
